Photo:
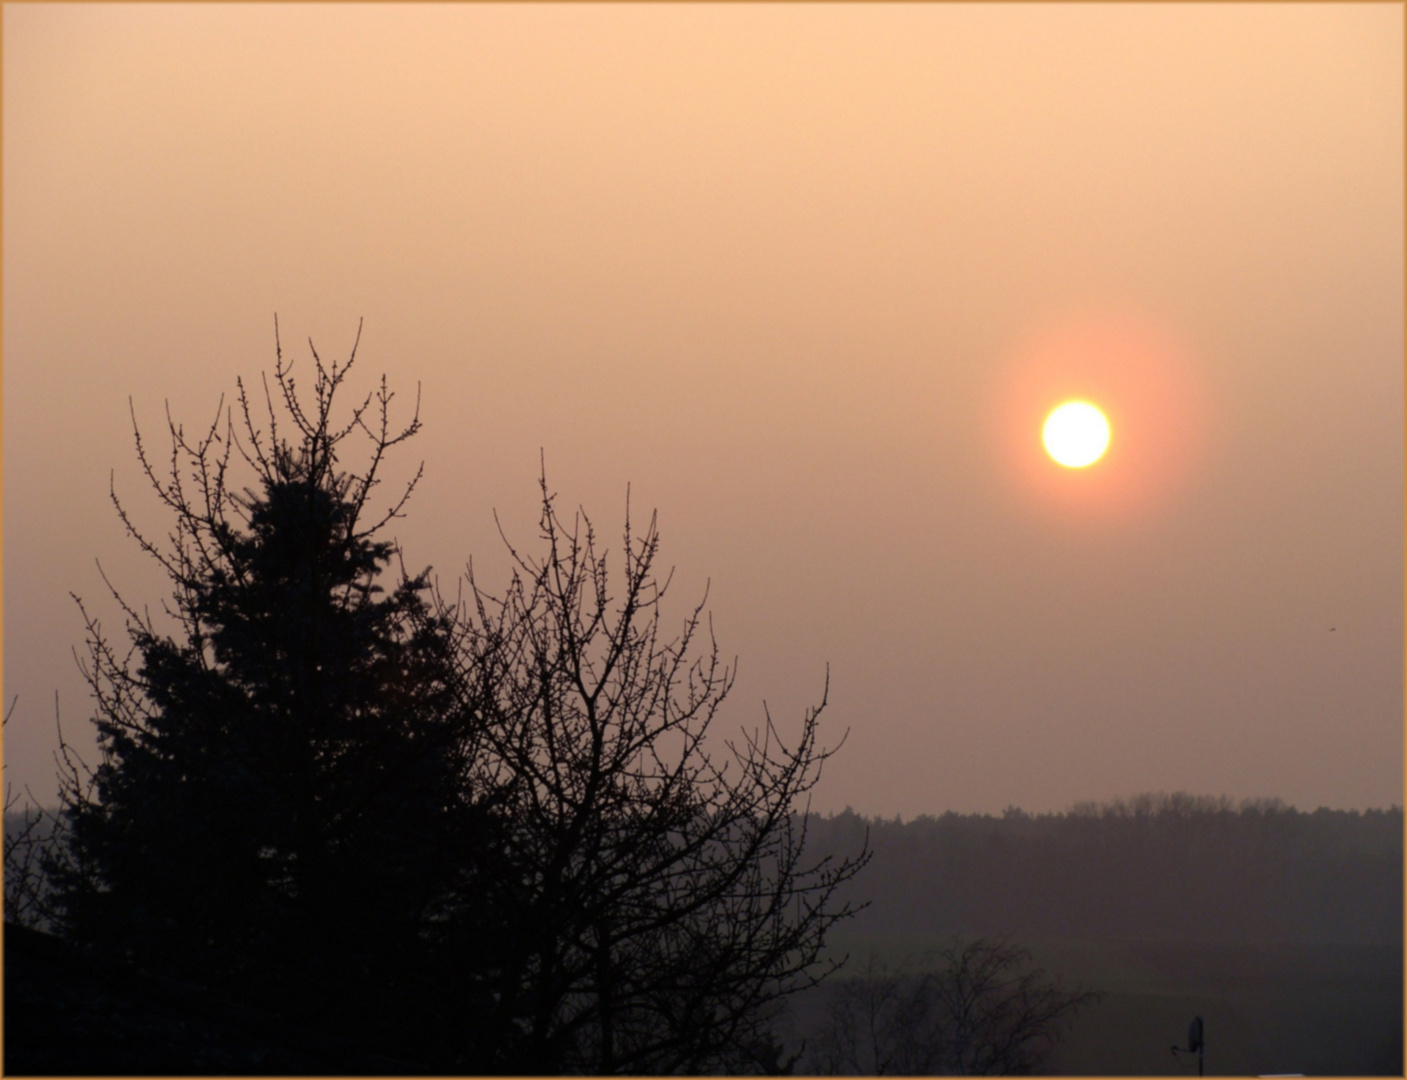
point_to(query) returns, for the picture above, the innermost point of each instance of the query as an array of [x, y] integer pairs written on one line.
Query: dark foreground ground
[[70, 1015], [1315, 1009]]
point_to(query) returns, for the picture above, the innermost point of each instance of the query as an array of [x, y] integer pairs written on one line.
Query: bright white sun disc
[[1076, 434]]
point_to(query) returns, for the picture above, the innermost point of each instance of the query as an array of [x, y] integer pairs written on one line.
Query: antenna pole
[[1196, 1044]]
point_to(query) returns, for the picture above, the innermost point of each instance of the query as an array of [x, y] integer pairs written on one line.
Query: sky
[[805, 281]]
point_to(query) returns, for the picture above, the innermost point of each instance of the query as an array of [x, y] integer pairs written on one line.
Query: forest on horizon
[[1155, 867]]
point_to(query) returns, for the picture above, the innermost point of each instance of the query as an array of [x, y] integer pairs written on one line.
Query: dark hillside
[[1282, 928]]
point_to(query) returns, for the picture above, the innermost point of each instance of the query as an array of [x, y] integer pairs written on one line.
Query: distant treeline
[[1156, 867]]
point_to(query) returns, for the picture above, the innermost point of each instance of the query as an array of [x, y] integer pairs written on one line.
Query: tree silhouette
[[979, 1011], [29, 836], [660, 902], [281, 770], [487, 837]]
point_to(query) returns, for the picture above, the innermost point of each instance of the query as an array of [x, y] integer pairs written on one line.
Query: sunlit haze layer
[[807, 280]]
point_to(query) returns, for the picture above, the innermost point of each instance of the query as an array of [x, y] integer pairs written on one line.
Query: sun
[[1076, 434]]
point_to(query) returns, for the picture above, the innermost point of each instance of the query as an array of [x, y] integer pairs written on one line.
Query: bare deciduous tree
[[31, 834], [657, 899], [978, 1009]]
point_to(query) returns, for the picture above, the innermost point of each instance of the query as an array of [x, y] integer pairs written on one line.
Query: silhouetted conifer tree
[[279, 788]]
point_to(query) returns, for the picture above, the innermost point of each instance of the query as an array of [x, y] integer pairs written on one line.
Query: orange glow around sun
[[1099, 417]]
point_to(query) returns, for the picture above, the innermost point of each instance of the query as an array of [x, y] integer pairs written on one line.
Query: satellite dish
[[1194, 1035]]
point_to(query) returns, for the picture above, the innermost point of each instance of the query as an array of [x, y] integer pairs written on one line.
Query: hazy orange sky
[[807, 278]]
